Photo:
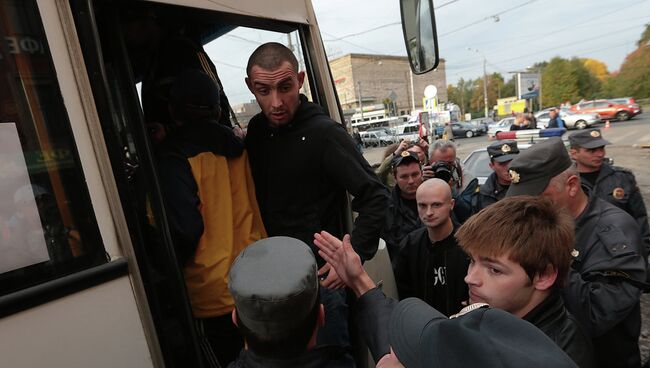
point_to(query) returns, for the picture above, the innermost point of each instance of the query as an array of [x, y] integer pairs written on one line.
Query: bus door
[[123, 43]]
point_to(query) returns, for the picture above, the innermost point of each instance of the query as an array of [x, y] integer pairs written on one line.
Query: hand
[[402, 147], [427, 173], [389, 361], [332, 279], [239, 132], [344, 260]]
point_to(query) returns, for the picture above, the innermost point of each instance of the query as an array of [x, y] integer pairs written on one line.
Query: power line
[[611, 33], [493, 16]]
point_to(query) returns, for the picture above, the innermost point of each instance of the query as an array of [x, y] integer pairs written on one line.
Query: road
[[623, 135], [626, 149]]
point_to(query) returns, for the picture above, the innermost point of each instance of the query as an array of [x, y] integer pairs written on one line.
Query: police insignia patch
[[405, 153], [618, 193], [514, 176], [595, 134], [505, 148]]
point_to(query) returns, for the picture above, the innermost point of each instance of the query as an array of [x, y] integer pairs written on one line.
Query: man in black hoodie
[[303, 162]]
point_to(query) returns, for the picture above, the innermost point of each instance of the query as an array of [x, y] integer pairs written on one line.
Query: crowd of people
[[543, 265]]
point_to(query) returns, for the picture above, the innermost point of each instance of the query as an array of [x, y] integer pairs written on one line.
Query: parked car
[[465, 130], [386, 130], [377, 138], [606, 109], [482, 123], [408, 131], [572, 120], [502, 126], [629, 101]]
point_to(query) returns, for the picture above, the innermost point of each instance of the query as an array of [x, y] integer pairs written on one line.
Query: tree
[[564, 80], [597, 68], [634, 77]]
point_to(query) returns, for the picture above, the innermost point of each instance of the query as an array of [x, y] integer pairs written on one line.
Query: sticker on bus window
[[22, 239]]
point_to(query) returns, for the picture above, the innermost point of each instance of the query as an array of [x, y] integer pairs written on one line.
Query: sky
[[527, 31]]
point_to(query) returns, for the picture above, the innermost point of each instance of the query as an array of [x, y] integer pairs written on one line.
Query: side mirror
[[420, 37]]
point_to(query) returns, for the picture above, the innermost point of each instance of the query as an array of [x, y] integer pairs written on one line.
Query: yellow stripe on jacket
[[232, 221]]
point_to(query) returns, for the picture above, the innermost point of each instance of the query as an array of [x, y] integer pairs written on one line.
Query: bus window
[[47, 224]]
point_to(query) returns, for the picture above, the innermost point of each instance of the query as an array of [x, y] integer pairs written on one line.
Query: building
[[383, 79]]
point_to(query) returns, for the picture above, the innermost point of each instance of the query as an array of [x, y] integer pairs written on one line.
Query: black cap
[[502, 151], [588, 138], [274, 283], [195, 90], [532, 169], [404, 158], [477, 337]]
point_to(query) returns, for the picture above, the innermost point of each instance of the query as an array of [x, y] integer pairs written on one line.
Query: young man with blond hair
[[520, 254]]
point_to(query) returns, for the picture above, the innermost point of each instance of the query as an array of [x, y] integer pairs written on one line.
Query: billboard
[[528, 85]]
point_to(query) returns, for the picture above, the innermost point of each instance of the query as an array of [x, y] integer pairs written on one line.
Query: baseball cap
[[479, 336], [274, 284], [532, 169], [502, 151], [404, 158], [588, 138]]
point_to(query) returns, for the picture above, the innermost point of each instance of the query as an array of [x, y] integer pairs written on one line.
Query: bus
[[88, 274]]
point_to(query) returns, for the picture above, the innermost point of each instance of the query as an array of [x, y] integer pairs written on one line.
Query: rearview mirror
[[420, 37]]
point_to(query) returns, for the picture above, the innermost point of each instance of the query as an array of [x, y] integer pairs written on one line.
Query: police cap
[[274, 284], [532, 169], [406, 157], [503, 151], [588, 138]]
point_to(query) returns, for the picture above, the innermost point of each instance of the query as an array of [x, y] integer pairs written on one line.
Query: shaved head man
[[430, 265]]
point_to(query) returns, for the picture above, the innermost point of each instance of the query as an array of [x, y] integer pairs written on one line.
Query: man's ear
[[545, 280], [572, 152], [573, 185], [234, 317], [301, 79], [453, 202], [249, 84]]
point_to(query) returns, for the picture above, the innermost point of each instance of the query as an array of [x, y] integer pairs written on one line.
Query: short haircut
[[531, 231], [443, 145], [271, 56], [290, 344]]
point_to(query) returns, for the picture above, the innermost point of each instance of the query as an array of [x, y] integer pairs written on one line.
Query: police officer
[[611, 183], [604, 283], [278, 310], [497, 184]]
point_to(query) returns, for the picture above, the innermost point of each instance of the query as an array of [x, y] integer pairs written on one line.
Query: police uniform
[[601, 291], [615, 184], [491, 191], [275, 286]]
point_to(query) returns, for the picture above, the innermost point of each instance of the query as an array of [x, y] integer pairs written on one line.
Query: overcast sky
[[527, 31]]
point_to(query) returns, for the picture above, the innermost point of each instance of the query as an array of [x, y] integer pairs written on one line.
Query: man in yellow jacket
[[211, 207]]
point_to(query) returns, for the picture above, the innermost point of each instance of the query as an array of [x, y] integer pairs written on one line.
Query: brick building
[[379, 78]]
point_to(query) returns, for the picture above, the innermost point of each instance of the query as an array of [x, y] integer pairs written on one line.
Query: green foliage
[[570, 80], [634, 77]]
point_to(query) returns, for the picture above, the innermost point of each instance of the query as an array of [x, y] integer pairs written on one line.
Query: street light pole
[[485, 79], [360, 103]]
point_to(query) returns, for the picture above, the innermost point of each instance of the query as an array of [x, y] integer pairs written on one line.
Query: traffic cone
[[606, 124]]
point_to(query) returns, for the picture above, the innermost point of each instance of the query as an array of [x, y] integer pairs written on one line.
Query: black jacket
[[490, 193], [630, 200], [302, 171], [400, 221], [556, 322], [319, 357], [415, 276], [598, 292]]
